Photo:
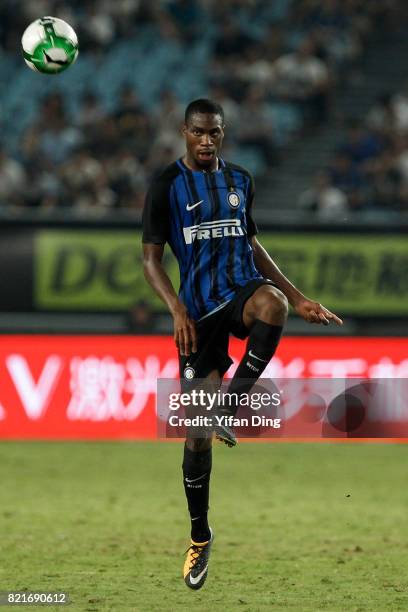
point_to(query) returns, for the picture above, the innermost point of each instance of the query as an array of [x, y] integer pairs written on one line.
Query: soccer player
[[201, 205]]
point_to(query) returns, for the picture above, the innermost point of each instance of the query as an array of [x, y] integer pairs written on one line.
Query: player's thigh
[[210, 384], [211, 360], [199, 402], [213, 381]]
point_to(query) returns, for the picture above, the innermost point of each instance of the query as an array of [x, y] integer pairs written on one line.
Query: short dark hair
[[203, 105]]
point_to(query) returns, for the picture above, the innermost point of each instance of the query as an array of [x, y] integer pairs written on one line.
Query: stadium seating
[[153, 53]]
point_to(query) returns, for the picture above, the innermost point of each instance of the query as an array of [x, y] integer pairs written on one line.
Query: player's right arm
[[185, 335], [156, 224]]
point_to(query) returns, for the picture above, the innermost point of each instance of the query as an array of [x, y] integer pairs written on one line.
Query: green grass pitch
[[297, 526]]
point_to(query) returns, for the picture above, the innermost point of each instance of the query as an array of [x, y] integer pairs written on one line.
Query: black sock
[[261, 346], [196, 479]]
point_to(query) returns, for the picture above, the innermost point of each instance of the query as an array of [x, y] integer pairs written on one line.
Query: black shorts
[[213, 336]]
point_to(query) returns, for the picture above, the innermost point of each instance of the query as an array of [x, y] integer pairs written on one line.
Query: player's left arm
[[311, 311]]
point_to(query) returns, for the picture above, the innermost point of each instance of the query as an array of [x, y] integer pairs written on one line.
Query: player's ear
[[184, 129]]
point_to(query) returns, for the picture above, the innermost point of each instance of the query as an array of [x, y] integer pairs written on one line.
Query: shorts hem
[[242, 332]]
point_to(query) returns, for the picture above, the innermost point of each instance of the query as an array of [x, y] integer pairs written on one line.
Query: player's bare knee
[[281, 305], [271, 306]]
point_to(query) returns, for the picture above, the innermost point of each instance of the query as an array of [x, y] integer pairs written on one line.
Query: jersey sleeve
[[156, 211], [252, 229]]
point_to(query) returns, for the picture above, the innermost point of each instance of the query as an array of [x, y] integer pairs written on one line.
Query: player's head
[[203, 131]]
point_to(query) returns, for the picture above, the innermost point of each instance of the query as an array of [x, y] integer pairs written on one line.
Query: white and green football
[[50, 45]]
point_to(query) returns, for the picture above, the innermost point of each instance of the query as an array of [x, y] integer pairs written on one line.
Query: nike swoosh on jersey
[[191, 206], [195, 479], [198, 578], [255, 357]]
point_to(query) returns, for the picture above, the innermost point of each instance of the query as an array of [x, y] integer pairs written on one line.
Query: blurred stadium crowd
[[275, 67], [369, 169]]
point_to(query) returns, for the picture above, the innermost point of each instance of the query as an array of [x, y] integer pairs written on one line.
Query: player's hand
[[313, 312], [185, 335]]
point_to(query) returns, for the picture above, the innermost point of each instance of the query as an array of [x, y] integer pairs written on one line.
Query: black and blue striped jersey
[[206, 219]]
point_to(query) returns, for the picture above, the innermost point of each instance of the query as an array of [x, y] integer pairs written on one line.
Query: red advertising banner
[[104, 387]]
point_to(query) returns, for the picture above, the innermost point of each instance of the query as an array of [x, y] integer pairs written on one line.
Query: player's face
[[203, 134]]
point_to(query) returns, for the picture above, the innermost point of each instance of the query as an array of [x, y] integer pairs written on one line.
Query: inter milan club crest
[[233, 199], [189, 373]]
